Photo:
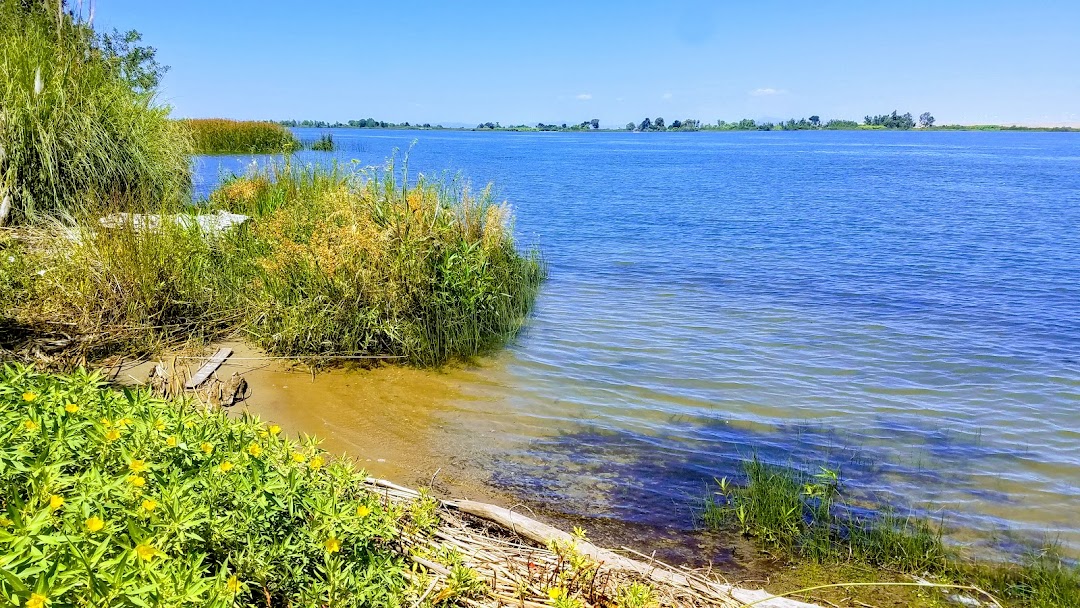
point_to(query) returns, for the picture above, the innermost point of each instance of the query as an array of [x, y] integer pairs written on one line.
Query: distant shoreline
[[522, 129]]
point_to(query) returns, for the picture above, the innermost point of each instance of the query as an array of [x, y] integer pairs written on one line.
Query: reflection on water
[[903, 305]]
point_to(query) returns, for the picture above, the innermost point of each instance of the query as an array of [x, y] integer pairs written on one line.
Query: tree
[[630, 126], [136, 64], [926, 120], [676, 124], [658, 124], [645, 125], [595, 123], [815, 120]]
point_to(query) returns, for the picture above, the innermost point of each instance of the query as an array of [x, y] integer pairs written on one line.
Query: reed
[[223, 136], [325, 143], [75, 136]]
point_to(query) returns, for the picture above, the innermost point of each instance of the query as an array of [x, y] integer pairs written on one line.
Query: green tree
[[815, 120], [645, 125], [595, 123], [926, 120], [658, 124], [630, 126]]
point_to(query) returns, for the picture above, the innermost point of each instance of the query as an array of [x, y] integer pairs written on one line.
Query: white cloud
[[767, 91], [666, 96], [584, 97]]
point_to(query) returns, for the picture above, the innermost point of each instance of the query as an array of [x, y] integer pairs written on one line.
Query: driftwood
[[211, 366], [520, 573]]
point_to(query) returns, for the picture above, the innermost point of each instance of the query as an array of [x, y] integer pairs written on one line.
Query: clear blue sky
[[965, 61]]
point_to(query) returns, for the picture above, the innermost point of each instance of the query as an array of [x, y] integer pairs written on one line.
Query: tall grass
[[74, 135], [223, 136], [334, 262], [805, 516]]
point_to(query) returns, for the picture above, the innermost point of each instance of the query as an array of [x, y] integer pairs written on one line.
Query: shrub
[[325, 143], [223, 136], [115, 498], [75, 134]]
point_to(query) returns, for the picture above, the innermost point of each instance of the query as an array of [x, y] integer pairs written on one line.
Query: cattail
[[38, 85]]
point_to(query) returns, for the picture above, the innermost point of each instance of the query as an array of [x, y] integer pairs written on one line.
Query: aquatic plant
[[77, 135], [223, 136], [334, 262], [325, 143], [115, 498]]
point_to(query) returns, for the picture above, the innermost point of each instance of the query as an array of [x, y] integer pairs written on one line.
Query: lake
[[902, 305]]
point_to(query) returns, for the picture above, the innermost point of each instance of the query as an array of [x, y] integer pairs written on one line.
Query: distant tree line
[[363, 123], [658, 124]]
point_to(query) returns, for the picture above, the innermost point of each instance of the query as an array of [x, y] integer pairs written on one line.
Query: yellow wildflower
[[233, 584], [298, 457], [55, 502], [555, 593], [36, 601], [5, 522], [274, 429], [145, 551], [124, 422], [112, 435], [171, 441], [136, 480], [226, 466], [29, 396], [149, 505], [363, 511], [332, 544], [94, 524], [30, 425], [159, 425], [316, 462], [206, 448], [105, 422], [255, 450], [189, 424], [137, 466], [71, 408]]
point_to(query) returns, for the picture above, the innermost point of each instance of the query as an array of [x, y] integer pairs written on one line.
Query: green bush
[[113, 498], [75, 133]]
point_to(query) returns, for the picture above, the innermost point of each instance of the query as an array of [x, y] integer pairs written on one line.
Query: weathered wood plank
[[211, 366]]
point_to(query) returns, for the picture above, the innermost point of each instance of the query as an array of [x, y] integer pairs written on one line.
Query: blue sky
[[556, 61]]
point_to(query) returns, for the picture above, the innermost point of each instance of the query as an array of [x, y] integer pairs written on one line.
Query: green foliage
[[891, 121], [798, 515], [223, 136], [113, 498], [80, 129], [334, 262], [636, 595], [324, 143]]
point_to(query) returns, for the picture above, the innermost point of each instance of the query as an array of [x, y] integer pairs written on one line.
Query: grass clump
[[806, 517], [333, 262], [76, 134], [115, 498], [223, 136], [325, 143]]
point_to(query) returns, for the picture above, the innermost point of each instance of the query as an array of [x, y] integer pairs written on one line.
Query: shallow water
[[902, 305]]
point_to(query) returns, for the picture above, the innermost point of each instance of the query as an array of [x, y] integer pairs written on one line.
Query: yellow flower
[[171, 441], [159, 425], [149, 505], [145, 551], [206, 448], [332, 544], [255, 450], [4, 521], [71, 408], [94, 524], [274, 429], [105, 422], [298, 457], [36, 601], [316, 462], [29, 396], [233, 584], [112, 435], [137, 466], [136, 480], [124, 422], [363, 511], [189, 424], [55, 502], [30, 425], [556, 592], [226, 466]]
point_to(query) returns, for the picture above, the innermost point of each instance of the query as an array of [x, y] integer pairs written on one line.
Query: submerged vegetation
[[333, 262], [223, 136], [806, 517], [80, 128]]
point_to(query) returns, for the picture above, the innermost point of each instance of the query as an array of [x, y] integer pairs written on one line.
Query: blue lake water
[[903, 305]]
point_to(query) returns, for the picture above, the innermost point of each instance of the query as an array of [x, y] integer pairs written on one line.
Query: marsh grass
[[325, 143], [223, 136], [335, 262], [803, 516], [115, 498], [75, 137]]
